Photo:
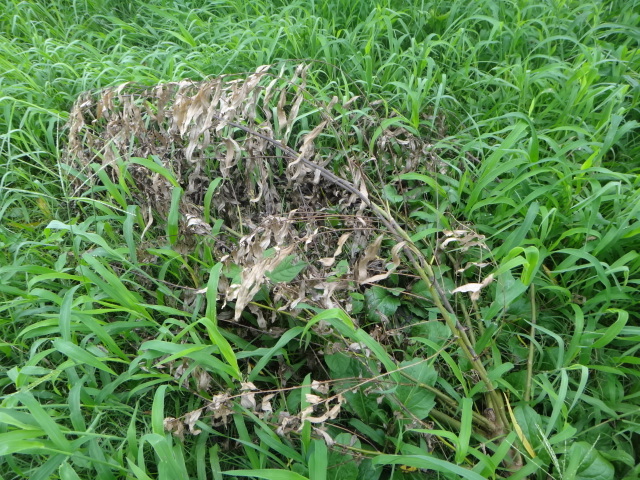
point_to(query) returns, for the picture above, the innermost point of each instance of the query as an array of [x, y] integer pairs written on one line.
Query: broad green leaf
[[612, 331], [507, 290], [157, 410], [45, 421], [414, 397], [586, 463], [212, 292], [381, 302], [284, 340], [67, 472], [391, 195], [286, 270], [466, 406], [173, 218], [530, 423], [225, 349]]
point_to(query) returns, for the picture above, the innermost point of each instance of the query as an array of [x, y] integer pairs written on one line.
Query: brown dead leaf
[[329, 261], [474, 288], [252, 279], [331, 413], [287, 423], [265, 404], [321, 387], [221, 408], [370, 255], [190, 420], [175, 426], [465, 238], [325, 436]]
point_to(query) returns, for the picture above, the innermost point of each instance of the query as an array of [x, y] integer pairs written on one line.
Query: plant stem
[[534, 319]]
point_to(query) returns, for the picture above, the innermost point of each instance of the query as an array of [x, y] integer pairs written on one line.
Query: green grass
[[494, 137]]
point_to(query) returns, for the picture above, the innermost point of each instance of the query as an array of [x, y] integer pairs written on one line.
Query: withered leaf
[[474, 288], [190, 420], [370, 254]]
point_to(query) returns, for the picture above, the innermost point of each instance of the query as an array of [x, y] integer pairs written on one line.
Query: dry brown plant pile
[[269, 142]]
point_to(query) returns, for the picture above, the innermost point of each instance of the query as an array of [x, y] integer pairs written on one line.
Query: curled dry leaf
[[307, 142], [469, 265], [370, 255], [466, 239], [203, 379], [395, 263], [313, 399], [325, 436], [236, 128], [197, 226], [359, 348], [287, 423], [221, 407], [175, 426], [321, 387], [331, 411], [265, 404], [329, 261], [248, 399], [474, 288], [262, 323], [190, 420], [253, 278]]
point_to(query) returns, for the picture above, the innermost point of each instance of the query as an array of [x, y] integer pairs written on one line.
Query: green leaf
[[318, 461], [173, 218], [507, 289], [45, 421], [466, 405], [427, 462], [286, 270], [267, 473], [414, 397], [612, 331], [157, 410], [225, 348], [341, 463], [20, 441], [157, 168], [265, 358], [531, 424], [80, 355], [67, 472], [381, 302], [586, 463], [390, 194]]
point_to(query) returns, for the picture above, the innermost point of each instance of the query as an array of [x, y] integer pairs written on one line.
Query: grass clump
[[409, 249]]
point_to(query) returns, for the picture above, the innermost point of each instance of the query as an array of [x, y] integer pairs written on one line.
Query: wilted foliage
[[251, 151]]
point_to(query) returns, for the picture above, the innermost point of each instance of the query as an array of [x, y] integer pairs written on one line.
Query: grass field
[[338, 239]]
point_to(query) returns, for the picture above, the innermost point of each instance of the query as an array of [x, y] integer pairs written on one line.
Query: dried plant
[[190, 135]]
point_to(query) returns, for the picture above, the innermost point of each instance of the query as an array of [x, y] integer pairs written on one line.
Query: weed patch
[[411, 253]]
